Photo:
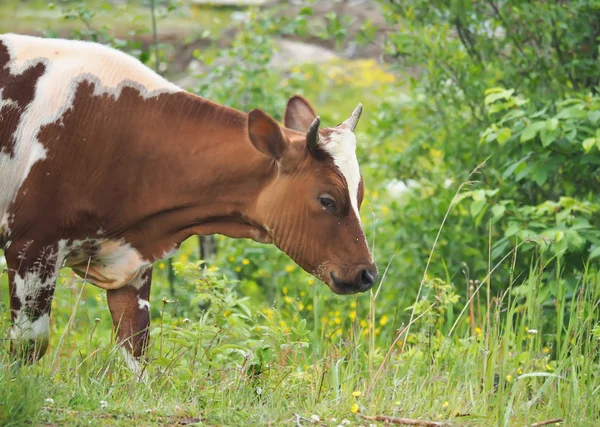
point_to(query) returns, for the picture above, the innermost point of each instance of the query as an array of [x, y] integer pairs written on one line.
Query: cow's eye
[[327, 202]]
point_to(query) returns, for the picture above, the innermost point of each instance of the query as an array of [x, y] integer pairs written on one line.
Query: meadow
[[480, 151]]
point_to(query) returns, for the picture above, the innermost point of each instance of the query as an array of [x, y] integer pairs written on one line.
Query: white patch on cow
[[4, 230], [134, 365], [144, 304], [111, 265], [342, 148], [68, 62], [168, 254], [24, 329]]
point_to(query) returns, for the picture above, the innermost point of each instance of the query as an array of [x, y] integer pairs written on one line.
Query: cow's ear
[[266, 135], [299, 114]]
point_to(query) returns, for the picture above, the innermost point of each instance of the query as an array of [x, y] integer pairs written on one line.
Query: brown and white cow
[[106, 167]]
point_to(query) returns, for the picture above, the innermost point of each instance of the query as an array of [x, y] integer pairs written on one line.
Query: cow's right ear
[[266, 135]]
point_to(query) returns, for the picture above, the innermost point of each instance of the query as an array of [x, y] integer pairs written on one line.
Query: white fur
[[24, 329], [115, 264], [134, 365], [4, 225], [144, 304], [342, 148], [67, 62]]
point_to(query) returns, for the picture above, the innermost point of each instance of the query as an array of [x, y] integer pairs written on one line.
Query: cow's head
[[311, 208]]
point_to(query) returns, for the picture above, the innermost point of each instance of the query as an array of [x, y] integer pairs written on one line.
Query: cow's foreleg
[[32, 272], [130, 310]]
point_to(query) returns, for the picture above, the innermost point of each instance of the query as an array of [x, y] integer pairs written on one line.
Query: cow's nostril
[[368, 278]]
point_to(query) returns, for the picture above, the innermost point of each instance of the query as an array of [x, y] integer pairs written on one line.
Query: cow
[[106, 167]]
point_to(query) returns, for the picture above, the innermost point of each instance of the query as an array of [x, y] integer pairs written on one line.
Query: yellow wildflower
[[546, 350], [356, 393], [520, 371], [309, 307], [384, 319], [238, 269], [245, 261], [284, 290], [300, 307], [353, 315], [337, 320], [288, 300], [355, 408], [509, 378], [445, 404], [311, 282], [183, 258], [161, 265], [353, 304], [290, 268], [231, 258]]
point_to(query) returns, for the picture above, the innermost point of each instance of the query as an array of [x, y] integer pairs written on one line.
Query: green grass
[[124, 19], [232, 364]]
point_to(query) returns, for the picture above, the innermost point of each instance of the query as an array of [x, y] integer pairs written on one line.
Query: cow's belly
[[107, 264]]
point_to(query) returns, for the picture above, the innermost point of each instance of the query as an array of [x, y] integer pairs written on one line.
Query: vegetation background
[[480, 149]]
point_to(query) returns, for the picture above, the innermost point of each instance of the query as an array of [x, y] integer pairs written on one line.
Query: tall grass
[[235, 365]]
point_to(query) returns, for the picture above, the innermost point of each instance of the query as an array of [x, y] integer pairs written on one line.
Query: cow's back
[[38, 82]]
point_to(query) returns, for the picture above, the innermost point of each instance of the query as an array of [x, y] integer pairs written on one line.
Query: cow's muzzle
[[363, 280]]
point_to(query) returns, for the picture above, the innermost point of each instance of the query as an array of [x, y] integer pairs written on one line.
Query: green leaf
[[498, 210], [493, 97], [503, 135], [574, 112], [548, 136], [595, 253], [593, 116], [531, 131], [540, 175], [552, 124], [588, 143], [476, 207]]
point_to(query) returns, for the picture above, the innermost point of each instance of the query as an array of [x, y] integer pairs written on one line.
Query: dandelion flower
[[355, 408], [356, 393], [384, 319], [509, 378], [245, 261], [546, 350], [445, 404]]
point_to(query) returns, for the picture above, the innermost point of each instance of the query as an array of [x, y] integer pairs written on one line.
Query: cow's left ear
[[299, 114], [266, 135]]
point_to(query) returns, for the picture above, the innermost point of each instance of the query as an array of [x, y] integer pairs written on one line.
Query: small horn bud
[[352, 121], [312, 136]]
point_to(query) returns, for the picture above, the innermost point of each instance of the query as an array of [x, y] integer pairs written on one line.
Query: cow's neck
[[213, 176]]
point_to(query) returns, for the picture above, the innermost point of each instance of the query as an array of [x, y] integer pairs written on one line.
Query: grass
[[237, 364]]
